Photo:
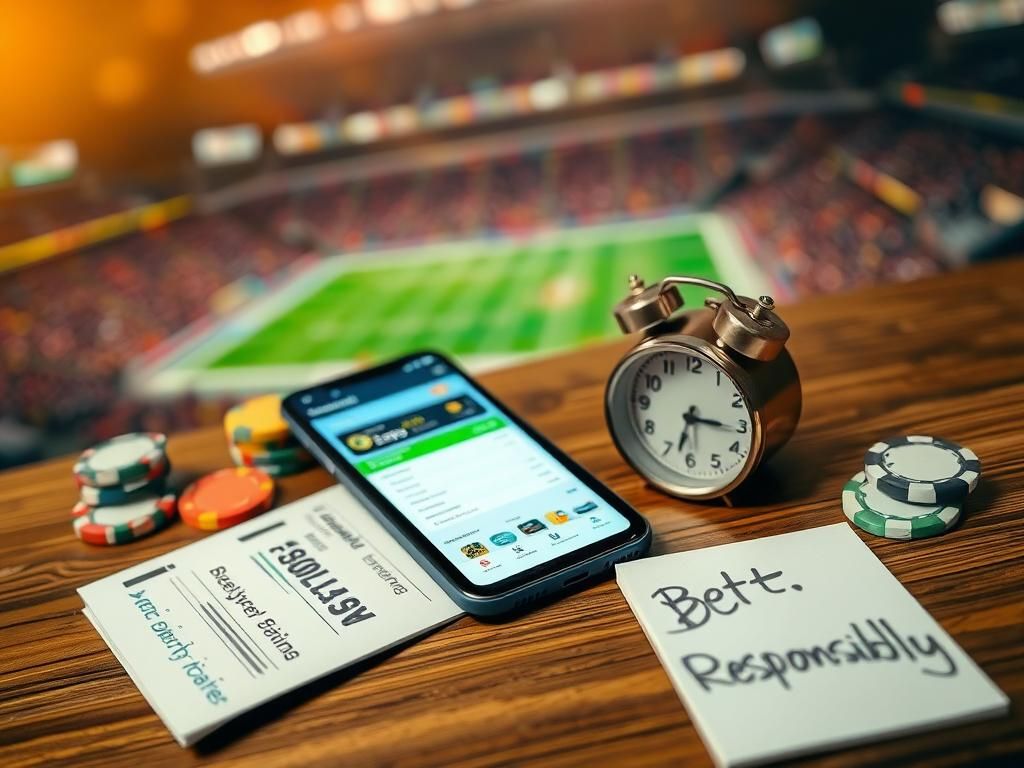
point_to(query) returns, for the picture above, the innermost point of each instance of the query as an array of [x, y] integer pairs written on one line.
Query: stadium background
[[202, 200]]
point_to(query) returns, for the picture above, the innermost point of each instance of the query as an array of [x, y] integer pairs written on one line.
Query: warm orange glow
[[120, 81], [164, 18]]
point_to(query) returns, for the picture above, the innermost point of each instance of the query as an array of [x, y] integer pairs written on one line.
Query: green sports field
[[483, 301], [529, 299]]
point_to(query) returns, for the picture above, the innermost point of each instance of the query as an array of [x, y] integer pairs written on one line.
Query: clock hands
[[690, 417], [709, 422]]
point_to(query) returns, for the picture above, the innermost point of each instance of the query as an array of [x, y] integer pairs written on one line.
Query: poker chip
[[256, 421], [922, 470], [226, 497], [281, 461], [120, 460], [108, 525], [291, 454], [873, 511], [269, 445], [122, 494], [283, 470]]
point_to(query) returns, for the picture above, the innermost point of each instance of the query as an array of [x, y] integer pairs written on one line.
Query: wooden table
[[576, 682]]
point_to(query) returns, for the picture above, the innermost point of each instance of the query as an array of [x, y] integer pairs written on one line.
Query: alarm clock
[[706, 395]]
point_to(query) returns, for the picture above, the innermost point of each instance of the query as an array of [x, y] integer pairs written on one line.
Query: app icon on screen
[[475, 550], [558, 517], [532, 526], [503, 538], [582, 509], [359, 442]]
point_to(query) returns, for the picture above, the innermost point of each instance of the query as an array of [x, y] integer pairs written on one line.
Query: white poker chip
[[120, 460], [922, 470]]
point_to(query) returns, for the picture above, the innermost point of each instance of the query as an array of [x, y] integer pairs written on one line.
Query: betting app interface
[[481, 490]]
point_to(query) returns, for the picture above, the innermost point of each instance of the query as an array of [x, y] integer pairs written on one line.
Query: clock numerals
[[685, 412]]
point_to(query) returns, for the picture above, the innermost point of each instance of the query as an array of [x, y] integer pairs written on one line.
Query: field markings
[[565, 300], [493, 307], [734, 263]]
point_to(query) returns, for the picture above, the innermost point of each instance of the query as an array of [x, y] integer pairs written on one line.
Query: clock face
[[690, 416]]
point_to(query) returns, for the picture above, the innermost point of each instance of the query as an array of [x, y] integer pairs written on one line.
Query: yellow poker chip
[[257, 420], [255, 449], [226, 497]]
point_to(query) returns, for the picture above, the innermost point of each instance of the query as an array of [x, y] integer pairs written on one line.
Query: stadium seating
[[818, 233], [68, 327], [29, 212], [946, 164]]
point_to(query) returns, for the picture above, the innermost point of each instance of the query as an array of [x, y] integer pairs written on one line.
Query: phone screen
[[490, 498]]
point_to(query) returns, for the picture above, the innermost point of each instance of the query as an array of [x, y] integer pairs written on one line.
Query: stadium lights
[[303, 27], [482, 104], [401, 120], [549, 93], [792, 43], [347, 17], [227, 145], [958, 17], [263, 38], [711, 67], [39, 164], [362, 128], [385, 12], [302, 138], [260, 38]]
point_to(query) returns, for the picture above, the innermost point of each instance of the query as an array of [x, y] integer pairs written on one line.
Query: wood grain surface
[[576, 682]]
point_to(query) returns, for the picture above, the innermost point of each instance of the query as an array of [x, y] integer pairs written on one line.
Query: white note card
[[238, 618], [799, 643]]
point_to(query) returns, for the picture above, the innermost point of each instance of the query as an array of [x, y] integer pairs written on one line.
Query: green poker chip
[[872, 511], [123, 494], [289, 462]]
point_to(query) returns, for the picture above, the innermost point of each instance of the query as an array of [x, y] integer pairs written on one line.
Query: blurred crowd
[[948, 165], [52, 211], [69, 326], [819, 233]]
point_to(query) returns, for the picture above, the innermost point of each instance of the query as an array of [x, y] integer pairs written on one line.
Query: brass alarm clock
[[706, 395]]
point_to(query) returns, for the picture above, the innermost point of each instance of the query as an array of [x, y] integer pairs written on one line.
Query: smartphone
[[494, 512]]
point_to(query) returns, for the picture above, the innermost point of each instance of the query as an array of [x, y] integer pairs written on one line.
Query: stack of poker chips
[[912, 487], [122, 484], [259, 437]]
